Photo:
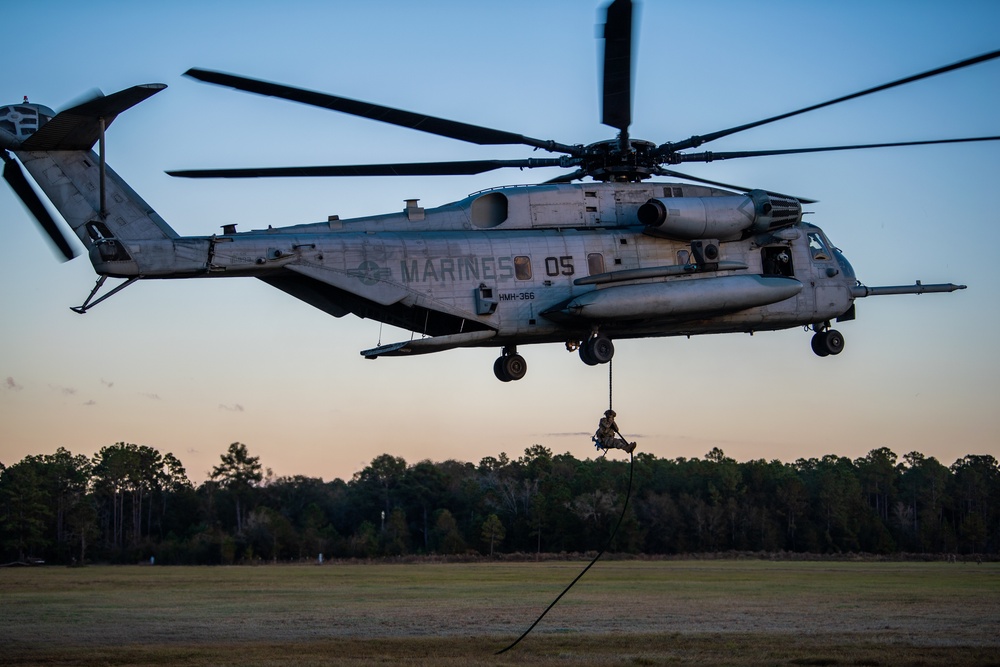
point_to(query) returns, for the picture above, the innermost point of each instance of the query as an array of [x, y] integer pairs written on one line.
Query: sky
[[189, 367]]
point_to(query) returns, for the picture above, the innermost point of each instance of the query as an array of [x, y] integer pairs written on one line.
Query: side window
[[595, 263], [777, 261], [522, 267]]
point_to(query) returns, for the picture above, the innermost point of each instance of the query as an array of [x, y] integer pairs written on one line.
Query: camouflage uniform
[[607, 432]]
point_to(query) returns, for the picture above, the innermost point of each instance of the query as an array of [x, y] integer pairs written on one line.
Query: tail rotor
[[18, 182]]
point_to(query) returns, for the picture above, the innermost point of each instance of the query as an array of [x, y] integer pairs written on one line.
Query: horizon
[[512, 458]]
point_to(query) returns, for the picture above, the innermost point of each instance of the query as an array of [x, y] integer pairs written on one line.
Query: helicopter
[[620, 256]]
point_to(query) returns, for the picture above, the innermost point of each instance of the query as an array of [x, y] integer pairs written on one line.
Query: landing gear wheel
[[601, 349], [597, 350], [834, 341], [587, 355], [818, 344], [514, 366], [829, 342], [498, 370], [510, 367]]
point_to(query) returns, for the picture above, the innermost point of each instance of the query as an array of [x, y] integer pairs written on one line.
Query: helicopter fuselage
[[511, 261]]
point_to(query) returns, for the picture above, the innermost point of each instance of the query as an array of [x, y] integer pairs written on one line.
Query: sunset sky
[[191, 366]]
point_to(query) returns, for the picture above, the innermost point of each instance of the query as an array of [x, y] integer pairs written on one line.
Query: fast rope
[[611, 386], [628, 494]]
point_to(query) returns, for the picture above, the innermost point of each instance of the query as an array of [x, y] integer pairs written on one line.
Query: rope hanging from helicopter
[[628, 495]]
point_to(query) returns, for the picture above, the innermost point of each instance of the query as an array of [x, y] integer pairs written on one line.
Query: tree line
[[129, 503]]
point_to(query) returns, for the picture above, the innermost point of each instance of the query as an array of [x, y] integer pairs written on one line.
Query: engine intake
[[723, 218]]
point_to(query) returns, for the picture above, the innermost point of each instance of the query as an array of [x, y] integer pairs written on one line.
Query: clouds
[[68, 391], [87, 391]]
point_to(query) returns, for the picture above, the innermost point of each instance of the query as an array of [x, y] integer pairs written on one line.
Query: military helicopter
[[615, 257]]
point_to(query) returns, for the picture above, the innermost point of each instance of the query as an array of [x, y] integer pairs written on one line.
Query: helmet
[[610, 413]]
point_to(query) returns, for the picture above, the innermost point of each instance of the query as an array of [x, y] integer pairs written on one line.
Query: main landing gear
[[827, 341], [598, 349], [510, 365]]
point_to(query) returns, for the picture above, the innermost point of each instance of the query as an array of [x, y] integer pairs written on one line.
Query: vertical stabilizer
[[57, 151], [72, 182]]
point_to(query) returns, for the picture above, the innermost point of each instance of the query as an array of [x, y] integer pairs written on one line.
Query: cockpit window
[[817, 247]]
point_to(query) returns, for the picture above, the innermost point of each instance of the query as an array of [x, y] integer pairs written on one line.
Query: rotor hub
[[606, 161]]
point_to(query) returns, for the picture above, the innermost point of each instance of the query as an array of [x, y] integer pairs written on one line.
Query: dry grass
[[621, 613]]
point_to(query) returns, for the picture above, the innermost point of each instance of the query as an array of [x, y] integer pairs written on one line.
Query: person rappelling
[[608, 436]]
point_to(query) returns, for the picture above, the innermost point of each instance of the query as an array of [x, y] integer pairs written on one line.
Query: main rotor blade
[[696, 140], [710, 156], [676, 174], [617, 88], [415, 121], [19, 183], [400, 169], [567, 178]]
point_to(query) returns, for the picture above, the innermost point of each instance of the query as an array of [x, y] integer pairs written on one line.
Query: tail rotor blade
[[19, 183]]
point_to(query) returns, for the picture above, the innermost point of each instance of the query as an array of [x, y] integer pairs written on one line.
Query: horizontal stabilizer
[[78, 128], [428, 345]]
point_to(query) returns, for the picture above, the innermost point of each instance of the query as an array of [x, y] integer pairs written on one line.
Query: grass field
[[620, 613]]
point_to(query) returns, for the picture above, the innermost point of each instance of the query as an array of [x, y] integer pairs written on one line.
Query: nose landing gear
[[827, 341]]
